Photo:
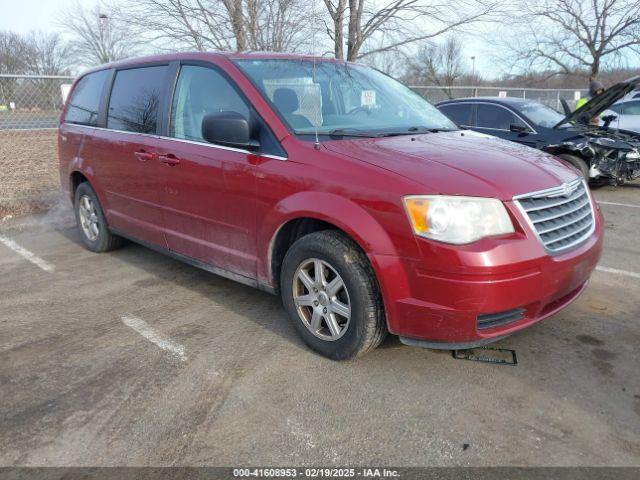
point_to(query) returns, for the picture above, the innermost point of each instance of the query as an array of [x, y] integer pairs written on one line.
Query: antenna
[[316, 144]]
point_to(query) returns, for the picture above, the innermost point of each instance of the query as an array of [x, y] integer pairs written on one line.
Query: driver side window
[[492, 116], [199, 91]]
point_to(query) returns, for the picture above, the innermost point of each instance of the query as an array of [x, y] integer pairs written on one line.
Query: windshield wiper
[[354, 132], [414, 130], [343, 132], [351, 132]]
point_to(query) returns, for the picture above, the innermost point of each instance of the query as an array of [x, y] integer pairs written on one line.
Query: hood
[[460, 163], [600, 103]]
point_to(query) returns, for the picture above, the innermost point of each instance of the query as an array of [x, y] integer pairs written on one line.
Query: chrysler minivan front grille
[[562, 217]]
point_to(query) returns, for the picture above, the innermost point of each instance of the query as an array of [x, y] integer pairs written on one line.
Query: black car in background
[[601, 153]]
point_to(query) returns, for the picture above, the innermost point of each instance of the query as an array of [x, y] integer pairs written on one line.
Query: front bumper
[[438, 299]]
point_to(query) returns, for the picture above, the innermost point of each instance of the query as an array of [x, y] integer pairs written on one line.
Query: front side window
[[135, 98], [200, 91], [493, 116], [331, 97], [84, 103]]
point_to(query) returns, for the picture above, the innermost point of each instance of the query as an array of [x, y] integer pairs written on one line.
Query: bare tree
[[569, 35], [36, 53], [390, 62], [280, 25], [438, 64], [337, 12], [267, 25], [13, 60], [14, 53], [48, 54], [99, 36], [398, 22]]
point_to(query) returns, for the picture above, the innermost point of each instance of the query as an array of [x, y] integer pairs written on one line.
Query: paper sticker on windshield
[[368, 98]]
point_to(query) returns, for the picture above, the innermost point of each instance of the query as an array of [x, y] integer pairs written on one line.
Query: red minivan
[[333, 185]]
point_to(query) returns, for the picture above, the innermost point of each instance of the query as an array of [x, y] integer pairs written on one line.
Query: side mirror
[[228, 128], [517, 128], [607, 117]]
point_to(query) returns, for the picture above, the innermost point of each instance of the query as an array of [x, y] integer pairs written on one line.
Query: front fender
[[345, 214]]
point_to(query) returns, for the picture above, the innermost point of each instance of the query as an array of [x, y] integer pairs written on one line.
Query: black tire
[[105, 240], [577, 162], [366, 327]]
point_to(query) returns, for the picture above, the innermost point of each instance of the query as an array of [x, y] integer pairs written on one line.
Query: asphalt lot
[[233, 385]]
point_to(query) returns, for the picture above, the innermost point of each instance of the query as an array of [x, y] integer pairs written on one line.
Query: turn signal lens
[[417, 209]]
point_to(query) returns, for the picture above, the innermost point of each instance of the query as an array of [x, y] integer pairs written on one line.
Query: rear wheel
[[330, 293], [577, 162], [91, 221]]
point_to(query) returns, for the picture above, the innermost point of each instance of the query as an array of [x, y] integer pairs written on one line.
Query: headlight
[[633, 155], [457, 220]]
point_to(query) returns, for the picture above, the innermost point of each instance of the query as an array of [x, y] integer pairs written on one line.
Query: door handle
[[143, 155], [169, 159]]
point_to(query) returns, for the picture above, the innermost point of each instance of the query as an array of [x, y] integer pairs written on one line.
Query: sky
[[23, 16]]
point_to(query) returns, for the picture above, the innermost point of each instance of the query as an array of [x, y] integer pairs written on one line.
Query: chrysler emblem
[[568, 189], [564, 190]]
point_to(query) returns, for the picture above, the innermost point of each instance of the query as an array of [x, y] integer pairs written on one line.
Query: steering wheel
[[359, 109]]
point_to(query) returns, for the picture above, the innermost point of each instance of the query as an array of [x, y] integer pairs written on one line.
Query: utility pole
[[473, 68], [103, 22]]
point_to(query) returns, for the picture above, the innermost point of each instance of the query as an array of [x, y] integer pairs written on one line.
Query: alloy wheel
[[321, 299], [88, 218]]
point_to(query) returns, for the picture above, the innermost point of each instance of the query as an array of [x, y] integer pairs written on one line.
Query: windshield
[[341, 98], [541, 114]]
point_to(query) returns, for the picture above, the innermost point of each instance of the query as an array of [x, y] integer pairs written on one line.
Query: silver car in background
[[626, 112]]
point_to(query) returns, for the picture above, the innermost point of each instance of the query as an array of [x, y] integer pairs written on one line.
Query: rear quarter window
[[135, 99], [84, 103], [459, 113]]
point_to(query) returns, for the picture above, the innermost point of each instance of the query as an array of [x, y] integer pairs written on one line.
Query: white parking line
[[46, 266], [619, 204], [150, 334], [615, 271]]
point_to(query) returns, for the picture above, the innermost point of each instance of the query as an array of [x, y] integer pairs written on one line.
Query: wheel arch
[[75, 179], [81, 171], [566, 150], [308, 212]]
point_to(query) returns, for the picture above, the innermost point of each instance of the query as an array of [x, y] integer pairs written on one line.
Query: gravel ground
[[29, 180]]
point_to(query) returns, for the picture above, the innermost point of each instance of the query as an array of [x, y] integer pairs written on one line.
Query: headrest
[[286, 100]]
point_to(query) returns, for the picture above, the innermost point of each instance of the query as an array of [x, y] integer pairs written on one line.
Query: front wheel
[[331, 294]]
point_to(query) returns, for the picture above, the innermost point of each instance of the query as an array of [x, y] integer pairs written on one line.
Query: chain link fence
[[30, 107], [550, 97]]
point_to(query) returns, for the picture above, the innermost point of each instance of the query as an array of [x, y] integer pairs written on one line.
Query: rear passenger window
[[200, 91], [84, 103], [135, 98], [460, 114], [492, 116]]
